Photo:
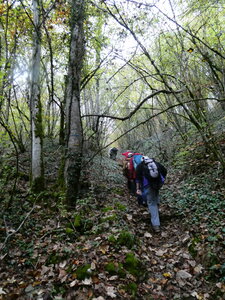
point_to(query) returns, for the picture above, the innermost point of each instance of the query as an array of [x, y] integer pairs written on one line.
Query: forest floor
[[106, 249]]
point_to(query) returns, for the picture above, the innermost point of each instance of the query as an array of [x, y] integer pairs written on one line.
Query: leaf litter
[[117, 257]]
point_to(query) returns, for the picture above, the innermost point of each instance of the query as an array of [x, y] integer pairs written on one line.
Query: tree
[[74, 134], [37, 167]]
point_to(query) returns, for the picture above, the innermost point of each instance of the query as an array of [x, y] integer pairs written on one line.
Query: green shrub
[[111, 268], [126, 239], [69, 230], [116, 269], [83, 272], [131, 288], [112, 239], [77, 221], [134, 266]]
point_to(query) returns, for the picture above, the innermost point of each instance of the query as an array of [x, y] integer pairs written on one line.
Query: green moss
[[69, 230], [110, 218], [131, 262], [38, 121], [77, 221], [60, 179], [115, 269], [54, 258], [108, 208], [112, 239], [82, 225], [117, 191], [120, 271], [126, 239], [131, 288], [192, 246], [111, 268], [134, 266], [83, 272], [120, 206]]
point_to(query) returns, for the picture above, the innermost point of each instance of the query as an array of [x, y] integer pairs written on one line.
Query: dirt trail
[[173, 273]]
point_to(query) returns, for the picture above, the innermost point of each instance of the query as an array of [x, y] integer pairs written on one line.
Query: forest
[[77, 78]]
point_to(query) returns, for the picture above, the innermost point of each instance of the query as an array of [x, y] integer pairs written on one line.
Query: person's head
[[130, 154]]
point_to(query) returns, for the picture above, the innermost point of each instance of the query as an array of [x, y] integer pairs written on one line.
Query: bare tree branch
[[136, 108], [152, 117], [190, 33]]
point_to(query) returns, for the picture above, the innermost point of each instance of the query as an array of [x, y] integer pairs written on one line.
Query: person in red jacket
[[129, 171]]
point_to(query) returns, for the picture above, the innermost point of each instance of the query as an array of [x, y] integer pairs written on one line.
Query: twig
[[6, 227], [9, 235]]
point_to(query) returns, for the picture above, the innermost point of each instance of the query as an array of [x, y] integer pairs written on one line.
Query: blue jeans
[[152, 199]]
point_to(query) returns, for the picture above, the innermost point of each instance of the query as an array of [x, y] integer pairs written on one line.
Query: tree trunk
[[37, 168], [74, 134]]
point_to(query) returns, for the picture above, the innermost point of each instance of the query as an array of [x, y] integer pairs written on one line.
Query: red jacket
[[131, 171]]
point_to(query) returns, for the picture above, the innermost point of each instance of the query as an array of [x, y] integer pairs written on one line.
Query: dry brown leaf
[[148, 235], [111, 292], [73, 283], [182, 274], [160, 252]]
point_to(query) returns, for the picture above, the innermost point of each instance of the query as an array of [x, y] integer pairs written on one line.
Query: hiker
[[113, 153], [129, 170], [150, 176]]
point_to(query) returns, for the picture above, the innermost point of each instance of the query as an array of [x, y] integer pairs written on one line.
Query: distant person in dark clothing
[[113, 153]]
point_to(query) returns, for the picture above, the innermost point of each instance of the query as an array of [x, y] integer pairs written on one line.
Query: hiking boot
[[156, 229]]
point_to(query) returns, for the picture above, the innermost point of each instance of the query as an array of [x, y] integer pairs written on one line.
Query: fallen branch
[[12, 233]]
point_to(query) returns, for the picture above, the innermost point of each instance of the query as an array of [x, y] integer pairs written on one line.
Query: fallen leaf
[[29, 288], [113, 277], [87, 281], [160, 252], [147, 235], [44, 270], [36, 283], [129, 217], [195, 294], [62, 275], [63, 264], [93, 266], [104, 249], [2, 292], [73, 283], [95, 279], [182, 274], [111, 291], [167, 275], [198, 269]]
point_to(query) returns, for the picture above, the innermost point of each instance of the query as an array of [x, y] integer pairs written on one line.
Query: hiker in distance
[[150, 176], [113, 153]]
